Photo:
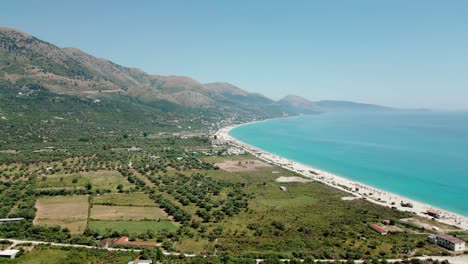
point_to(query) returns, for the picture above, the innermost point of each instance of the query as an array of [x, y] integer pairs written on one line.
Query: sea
[[420, 155]]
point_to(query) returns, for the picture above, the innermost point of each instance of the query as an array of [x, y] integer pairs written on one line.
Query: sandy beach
[[355, 188]]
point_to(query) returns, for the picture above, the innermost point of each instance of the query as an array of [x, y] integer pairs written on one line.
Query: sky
[[398, 53]]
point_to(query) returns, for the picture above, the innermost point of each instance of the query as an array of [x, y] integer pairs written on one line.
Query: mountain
[[299, 105], [25, 59], [342, 106], [28, 63]]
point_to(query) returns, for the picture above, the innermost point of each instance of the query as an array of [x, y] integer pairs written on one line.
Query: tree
[[154, 254], [88, 186]]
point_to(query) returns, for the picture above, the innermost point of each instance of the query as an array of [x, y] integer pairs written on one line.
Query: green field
[[104, 212], [99, 180], [132, 226], [55, 255], [130, 199]]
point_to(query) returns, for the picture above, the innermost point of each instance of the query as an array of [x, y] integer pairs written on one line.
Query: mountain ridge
[[28, 61]]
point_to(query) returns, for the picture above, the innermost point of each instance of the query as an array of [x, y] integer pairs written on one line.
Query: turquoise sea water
[[422, 156]]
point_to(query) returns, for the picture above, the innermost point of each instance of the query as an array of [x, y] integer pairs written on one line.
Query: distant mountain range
[[27, 62]]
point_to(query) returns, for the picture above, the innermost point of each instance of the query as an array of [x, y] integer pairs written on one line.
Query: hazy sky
[[398, 53]]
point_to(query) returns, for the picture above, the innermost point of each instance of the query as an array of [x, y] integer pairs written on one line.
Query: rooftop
[[379, 229], [11, 253], [451, 238]]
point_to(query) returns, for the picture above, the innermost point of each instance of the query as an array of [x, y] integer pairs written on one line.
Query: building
[[448, 242], [124, 241], [135, 149], [386, 222], [141, 261], [379, 229], [432, 239], [5, 220], [9, 253]]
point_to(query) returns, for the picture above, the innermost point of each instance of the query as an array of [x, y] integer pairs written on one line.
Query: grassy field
[[42, 255], [104, 212], [66, 211], [133, 226], [99, 180], [129, 199]]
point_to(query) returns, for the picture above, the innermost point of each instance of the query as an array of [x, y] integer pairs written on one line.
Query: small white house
[[9, 253]]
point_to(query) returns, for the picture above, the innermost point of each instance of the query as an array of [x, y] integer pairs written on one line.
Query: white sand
[[372, 194]]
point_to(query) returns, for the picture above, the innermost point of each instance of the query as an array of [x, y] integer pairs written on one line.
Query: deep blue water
[[423, 156]]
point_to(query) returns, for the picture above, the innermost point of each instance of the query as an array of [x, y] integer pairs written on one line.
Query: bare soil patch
[[242, 165], [292, 179], [66, 211]]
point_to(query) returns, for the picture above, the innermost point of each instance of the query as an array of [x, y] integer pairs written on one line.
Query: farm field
[[66, 211], [104, 212], [133, 226], [129, 199], [99, 180]]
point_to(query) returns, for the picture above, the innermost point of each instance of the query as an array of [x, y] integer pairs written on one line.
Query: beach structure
[[433, 213], [448, 242], [379, 229], [9, 253]]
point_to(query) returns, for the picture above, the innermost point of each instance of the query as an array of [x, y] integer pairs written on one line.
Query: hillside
[[28, 61], [341, 106], [299, 105]]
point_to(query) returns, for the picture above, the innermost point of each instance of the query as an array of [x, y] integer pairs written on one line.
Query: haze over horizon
[[399, 53]]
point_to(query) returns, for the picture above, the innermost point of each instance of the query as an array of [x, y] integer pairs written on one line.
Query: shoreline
[[355, 188]]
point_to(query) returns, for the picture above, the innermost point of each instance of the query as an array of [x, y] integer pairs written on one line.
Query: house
[[448, 242], [134, 149], [9, 253], [283, 188], [124, 241], [379, 229]]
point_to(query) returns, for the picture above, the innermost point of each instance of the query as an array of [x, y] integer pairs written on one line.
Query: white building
[[9, 253], [141, 261], [448, 242]]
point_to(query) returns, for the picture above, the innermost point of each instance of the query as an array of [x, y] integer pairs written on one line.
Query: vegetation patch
[[106, 180], [66, 211], [104, 212], [132, 226], [129, 199], [58, 255]]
